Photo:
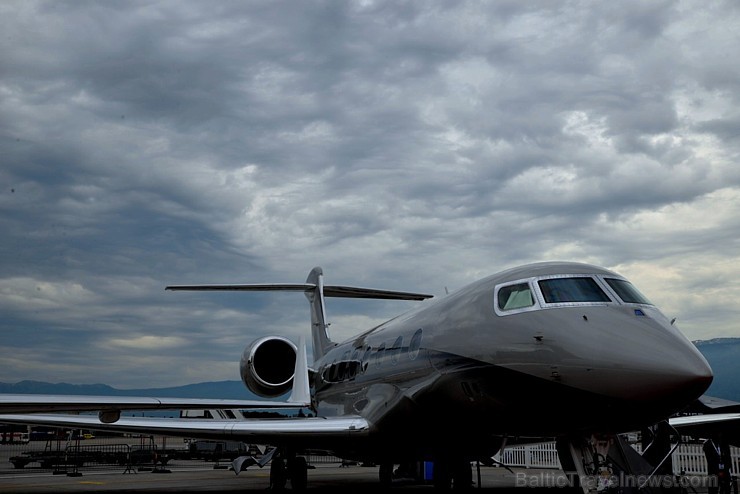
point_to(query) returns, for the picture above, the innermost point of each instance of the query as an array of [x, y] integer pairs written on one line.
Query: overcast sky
[[400, 145]]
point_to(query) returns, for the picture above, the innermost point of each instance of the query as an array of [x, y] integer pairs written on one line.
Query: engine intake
[[267, 366]]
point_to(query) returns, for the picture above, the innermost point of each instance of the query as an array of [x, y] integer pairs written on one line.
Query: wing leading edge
[[269, 431], [708, 424], [10, 403]]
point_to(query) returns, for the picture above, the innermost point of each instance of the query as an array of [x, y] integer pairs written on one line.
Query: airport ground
[[196, 475], [324, 478]]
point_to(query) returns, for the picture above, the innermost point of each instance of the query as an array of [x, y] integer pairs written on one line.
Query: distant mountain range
[[723, 355], [228, 390]]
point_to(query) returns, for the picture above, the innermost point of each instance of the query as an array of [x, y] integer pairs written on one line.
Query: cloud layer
[[411, 146]]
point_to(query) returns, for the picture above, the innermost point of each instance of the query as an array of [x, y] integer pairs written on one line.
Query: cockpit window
[[515, 297], [627, 291], [559, 290]]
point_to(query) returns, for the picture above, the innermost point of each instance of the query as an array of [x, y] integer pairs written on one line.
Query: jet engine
[[267, 366]]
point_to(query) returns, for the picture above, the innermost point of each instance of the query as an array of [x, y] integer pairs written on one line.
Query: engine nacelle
[[267, 366]]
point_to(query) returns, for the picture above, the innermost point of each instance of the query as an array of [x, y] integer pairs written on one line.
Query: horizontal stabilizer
[[261, 287], [356, 292], [315, 291], [329, 290]]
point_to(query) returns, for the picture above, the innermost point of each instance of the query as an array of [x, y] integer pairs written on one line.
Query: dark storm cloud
[[401, 145]]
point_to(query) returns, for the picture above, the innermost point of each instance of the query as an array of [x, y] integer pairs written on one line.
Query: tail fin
[[315, 296], [315, 292]]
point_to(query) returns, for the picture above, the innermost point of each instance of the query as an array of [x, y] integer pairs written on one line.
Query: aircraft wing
[[710, 415], [707, 424], [109, 408], [269, 431], [726, 424], [28, 403], [303, 430]]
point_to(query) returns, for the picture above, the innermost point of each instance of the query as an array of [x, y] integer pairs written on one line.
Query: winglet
[[301, 393]]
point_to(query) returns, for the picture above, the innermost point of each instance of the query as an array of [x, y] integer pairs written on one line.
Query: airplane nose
[[672, 373], [648, 362], [684, 379], [647, 386]]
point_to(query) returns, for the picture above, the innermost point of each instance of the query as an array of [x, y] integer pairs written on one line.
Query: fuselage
[[546, 349]]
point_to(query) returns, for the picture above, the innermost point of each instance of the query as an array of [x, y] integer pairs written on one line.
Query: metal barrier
[[540, 455], [75, 456], [688, 459], [322, 459], [101, 453], [127, 454]]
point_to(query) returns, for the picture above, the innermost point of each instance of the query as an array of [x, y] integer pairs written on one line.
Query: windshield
[[559, 290], [515, 297], [627, 291]]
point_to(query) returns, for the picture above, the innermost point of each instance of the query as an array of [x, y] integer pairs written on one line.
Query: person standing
[[719, 464]]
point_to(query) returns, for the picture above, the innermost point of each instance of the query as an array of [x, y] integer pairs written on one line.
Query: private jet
[[557, 350]]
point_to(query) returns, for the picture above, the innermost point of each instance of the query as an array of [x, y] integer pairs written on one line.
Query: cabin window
[[565, 290], [627, 291], [341, 372], [333, 377], [515, 296], [379, 354], [415, 344], [395, 350]]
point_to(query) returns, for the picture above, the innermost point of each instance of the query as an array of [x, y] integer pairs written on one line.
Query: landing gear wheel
[[278, 475], [298, 472]]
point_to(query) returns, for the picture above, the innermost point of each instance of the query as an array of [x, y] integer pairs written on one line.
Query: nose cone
[[650, 383], [678, 375], [641, 360], [668, 372]]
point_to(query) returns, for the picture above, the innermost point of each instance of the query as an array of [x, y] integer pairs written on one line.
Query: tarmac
[[323, 478]]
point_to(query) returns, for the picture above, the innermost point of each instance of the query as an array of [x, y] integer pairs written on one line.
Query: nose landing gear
[[607, 463]]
